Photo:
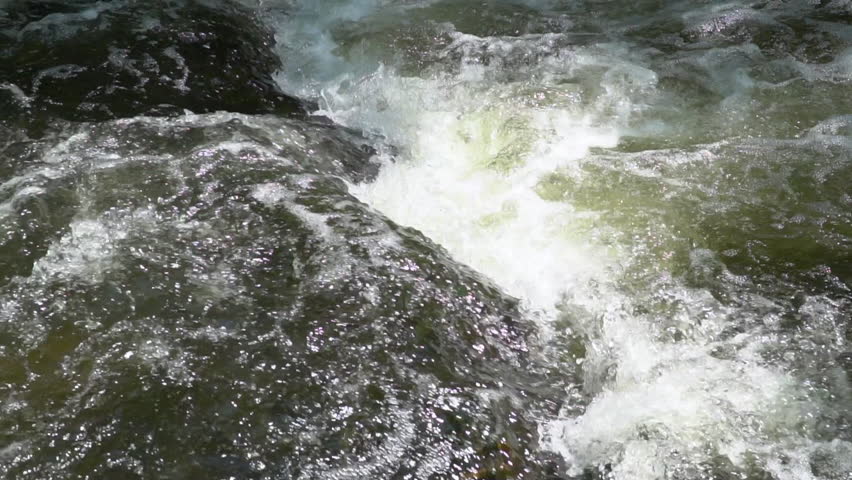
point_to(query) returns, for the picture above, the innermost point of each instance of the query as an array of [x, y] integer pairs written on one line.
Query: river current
[[426, 239]]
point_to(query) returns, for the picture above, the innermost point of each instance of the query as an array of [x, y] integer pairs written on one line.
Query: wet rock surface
[[202, 297], [87, 61], [660, 187]]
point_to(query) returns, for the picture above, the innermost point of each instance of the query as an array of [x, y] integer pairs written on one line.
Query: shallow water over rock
[[426, 239], [92, 61]]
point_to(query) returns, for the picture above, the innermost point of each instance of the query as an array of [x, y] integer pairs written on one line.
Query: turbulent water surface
[[426, 239]]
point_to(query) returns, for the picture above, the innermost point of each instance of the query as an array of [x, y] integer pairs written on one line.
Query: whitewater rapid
[[481, 148], [462, 239]]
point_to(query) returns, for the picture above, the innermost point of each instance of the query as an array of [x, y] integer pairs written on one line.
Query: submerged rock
[[211, 302], [96, 61]]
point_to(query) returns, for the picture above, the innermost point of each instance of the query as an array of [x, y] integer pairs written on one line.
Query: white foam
[[473, 148], [88, 250], [489, 219], [680, 402], [17, 93], [273, 193], [65, 25]]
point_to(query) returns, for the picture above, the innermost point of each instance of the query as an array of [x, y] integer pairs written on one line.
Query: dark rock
[[213, 303], [97, 61]]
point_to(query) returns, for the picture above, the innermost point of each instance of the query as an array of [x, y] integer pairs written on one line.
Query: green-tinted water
[[518, 239]]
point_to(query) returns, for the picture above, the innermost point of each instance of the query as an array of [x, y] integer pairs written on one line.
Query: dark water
[[425, 239]]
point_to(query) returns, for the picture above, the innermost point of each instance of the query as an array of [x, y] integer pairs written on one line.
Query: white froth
[[272, 194], [681, 401], [85, 253], [17, 93], [473, 147], [491, 220], [66, 25]]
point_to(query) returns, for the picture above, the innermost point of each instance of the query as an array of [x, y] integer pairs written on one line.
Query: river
[[426, 239]]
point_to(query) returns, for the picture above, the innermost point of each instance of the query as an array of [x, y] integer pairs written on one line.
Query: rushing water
[[352, 239]]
